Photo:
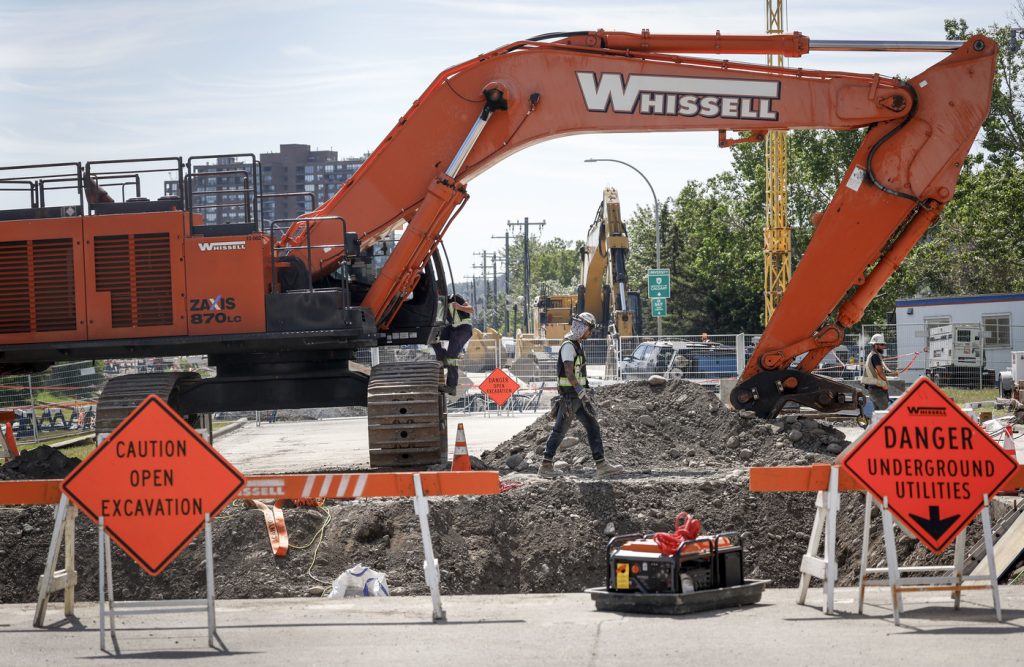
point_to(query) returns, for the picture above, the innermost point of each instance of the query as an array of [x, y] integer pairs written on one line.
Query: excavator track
[[123, 394], [407, 415]]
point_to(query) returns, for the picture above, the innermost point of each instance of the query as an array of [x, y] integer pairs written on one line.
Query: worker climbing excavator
[[282, 307], [602, 288]]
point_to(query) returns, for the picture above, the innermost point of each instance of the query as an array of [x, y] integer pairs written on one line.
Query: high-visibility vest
[[457, 316], [579, 366], [870, 377]]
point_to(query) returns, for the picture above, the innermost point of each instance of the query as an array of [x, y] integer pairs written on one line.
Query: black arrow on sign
[[933, 525]]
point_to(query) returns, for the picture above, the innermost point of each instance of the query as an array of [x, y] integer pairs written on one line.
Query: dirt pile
[[43, 462], [547, 536], [672, 427]]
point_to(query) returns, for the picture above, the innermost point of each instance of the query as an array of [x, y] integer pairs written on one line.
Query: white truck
[[956, 357]]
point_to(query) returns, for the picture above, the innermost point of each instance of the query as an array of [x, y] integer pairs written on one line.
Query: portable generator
[[675, 573], [637, 563]]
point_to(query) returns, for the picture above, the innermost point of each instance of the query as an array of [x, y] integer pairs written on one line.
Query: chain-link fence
[[968, 355], [61, 401]]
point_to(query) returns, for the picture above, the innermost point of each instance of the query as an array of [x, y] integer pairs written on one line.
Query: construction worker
[[575, 400], [457, 332], [875, 374]]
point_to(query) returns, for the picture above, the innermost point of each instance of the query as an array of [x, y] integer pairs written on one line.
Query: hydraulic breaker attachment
[[768, 392]]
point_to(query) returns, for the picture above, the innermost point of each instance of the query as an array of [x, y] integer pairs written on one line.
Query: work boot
[[547, 469], [448, 389], [605, 469]]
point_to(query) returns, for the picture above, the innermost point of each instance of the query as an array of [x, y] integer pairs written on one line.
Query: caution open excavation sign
[[932, 462], [499, 387], [153, 480]]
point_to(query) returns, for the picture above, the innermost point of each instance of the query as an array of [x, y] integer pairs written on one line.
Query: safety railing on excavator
[[281, 252]]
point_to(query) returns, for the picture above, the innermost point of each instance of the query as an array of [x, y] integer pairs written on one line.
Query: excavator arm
[[477, 113]]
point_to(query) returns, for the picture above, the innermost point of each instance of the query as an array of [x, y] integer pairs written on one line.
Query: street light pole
[[657, 216]]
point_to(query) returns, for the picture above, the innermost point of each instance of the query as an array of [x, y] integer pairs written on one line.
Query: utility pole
[[506, 237], [482, 306], [473, 288], [494, 276], [527, 305]]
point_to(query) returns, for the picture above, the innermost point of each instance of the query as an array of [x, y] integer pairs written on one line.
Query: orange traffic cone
[[460, 461]]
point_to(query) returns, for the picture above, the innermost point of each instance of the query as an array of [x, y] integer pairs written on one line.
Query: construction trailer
[[1000, 317]]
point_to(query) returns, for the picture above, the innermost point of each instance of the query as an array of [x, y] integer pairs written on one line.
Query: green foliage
[[714, 232], [554, 266], [1003, 136]]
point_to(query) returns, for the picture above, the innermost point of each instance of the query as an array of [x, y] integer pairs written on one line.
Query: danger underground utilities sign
[[153, 480], [933, 464]]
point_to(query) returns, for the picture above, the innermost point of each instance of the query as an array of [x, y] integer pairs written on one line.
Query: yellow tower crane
[[778, 264]]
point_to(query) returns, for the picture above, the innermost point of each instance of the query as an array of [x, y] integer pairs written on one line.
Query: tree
[[1004, 129], [710, 246]]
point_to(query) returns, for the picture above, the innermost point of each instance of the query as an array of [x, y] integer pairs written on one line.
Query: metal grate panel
[[37, 286], [136, 270]]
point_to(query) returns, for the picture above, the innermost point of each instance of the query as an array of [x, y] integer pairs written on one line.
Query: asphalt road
[[342, 444], [538, 629]]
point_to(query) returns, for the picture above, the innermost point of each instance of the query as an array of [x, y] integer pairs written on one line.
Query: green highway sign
[[659, 307], [658, 284]]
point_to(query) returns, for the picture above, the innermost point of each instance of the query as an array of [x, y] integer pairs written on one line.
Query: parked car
[[680, 359], [702, 361]]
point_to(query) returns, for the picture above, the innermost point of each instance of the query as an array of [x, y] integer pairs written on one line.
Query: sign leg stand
[[986, 522], [869, 505], [892, 561], [70, 574], [99, 550], [52, 579], [958, 567], [831, 569], [812, 565], [430, 569], [211, 611], [812, 544]]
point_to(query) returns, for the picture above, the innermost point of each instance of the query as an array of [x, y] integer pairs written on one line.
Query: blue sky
[[105, 79]]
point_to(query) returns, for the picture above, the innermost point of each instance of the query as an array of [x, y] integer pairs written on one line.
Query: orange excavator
[[282, 306]]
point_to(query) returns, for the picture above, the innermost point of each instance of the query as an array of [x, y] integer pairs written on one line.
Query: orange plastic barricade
[[30, 492], [815, 478], [330, 485], [370, 485]]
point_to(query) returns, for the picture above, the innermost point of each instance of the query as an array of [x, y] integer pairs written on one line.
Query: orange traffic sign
[[153, 480], [932, 463], [499, 387]]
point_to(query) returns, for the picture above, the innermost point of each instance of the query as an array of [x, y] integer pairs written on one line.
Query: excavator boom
[[920, 131]]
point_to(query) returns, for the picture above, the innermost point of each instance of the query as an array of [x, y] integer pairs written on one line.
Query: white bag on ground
[[360, 581]]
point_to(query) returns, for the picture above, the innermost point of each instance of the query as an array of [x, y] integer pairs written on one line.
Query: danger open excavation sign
[[153, 480], [933, 464], [499, 387]]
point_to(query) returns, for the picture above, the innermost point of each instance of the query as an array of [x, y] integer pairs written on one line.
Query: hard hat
[[878, 339], [587, 319]]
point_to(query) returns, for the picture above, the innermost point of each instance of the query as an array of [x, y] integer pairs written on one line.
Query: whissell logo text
[[685, 96], [222, 245]]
